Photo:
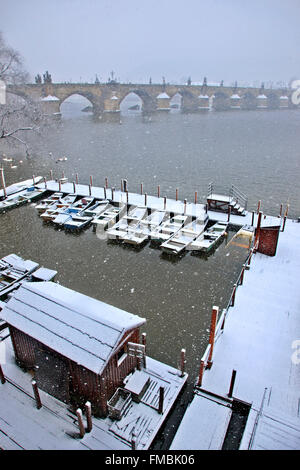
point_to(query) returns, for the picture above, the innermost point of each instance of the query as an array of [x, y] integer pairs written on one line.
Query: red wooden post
[[76, 178], [184, 206], [161, 400], [258, 206], [90, 189], [80, 422], [3, 380], [213, 324], [51, 175], [233, 295], [121, 185], [232, 383], [141, 188], [201, 371], [36, 394], [196, 197], [106, 182], [286, 210], [104, 193], [125, 186], [283, 225], [176, 194], [258, 228], [112, 193], [63, 174], [165, 202], [280, 211], [88, 412], [144, 335], [74, 187], [59, 185], [33, 181], [91, 180], [158, 191], [182, 362], [229, 213]]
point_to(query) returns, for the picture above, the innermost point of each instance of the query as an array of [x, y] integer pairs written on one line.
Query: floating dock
[[254, 359]]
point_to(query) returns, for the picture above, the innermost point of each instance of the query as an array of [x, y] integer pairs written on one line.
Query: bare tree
[[17, 117]]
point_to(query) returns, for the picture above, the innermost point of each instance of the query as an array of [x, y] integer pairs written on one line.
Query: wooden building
[[75, 344]]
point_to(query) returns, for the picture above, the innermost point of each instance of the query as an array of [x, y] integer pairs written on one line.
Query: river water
[[258, 151]]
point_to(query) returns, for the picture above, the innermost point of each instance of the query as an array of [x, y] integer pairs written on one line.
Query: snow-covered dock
[[261, 342], [55, 426]]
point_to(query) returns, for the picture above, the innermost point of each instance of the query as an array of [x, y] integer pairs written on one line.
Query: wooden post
[[36, 394], [206, 208], [161, 400], [133, 441], [233, 295], [229, 213], [201, 370], [51, 175], [125, 186], [196, 197], [165, 202], [127, 197], [141, 188], [158, 191], [258, 206], [280, 211], [283, 225], [88, 412], [63, 174], [176, 194], [184, 206], [91, 180], [258, 228], [45, 182], [213, 323], [122, 186], [144, 343], [76, 178], [104, 193], [74, 187], [33, 180], [252, 221], [286, 210], [3, 380], [106, 182], [59, 185], [182, 362], [90, 190], [232, 383], [145, 199], [112, 193], [80, 422]]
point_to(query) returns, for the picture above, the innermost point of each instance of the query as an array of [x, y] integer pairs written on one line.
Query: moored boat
[[129, 221], [109, 217], [164, 231], [209, 239], [73, 209], [20, 198], [181, 240]]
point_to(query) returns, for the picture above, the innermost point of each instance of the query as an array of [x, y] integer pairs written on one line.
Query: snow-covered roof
[[162, 96], [78, 327], [284, 97], [114, 97], [50, 98], [261, 97], [203, 96], [235, 97]]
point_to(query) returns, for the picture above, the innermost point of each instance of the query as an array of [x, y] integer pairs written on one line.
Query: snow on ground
[[258, 341]]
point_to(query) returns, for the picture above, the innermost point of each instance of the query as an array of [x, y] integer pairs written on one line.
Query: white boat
[[169, 228], [143, 231], [21, 186], [74, 209], [208, 239], [58, 207], [47, 203], [108, 217], [96, 209], [129, 221], [20, 198], [185, 236]]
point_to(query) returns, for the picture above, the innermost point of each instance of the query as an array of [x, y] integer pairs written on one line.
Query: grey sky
[[221, 39]]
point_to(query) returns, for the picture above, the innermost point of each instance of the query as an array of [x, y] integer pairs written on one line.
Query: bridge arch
[[189, 101], [75, 104], [148, 103], [131, 102]]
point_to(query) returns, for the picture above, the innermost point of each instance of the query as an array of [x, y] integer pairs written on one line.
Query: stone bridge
[[106, 98]]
